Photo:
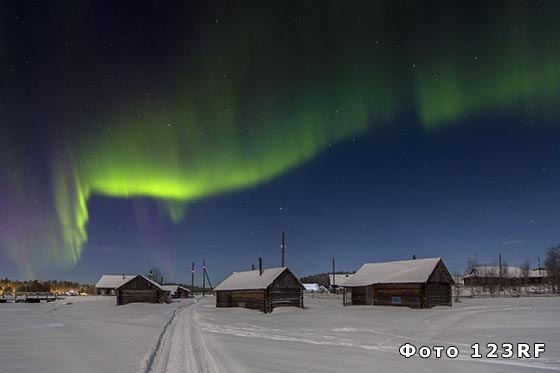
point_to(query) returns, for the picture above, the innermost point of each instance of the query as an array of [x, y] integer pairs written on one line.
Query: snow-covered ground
[[80, 334], [94, 335]]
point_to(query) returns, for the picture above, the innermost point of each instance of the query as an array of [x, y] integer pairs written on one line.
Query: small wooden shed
[[141, 289], [262, 290], [177, 291], [417, 283]]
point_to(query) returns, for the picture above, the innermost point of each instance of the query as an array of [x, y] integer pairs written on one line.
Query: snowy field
[[91, 334]]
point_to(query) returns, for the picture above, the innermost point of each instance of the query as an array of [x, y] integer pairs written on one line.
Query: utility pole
[[333, 275], [203, 276], [209, 283], [192, 281], [501, 273], [283, 249]]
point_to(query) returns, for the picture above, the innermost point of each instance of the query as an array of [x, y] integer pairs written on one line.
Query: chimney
[[413, 256], [123, 276], [260, 267]]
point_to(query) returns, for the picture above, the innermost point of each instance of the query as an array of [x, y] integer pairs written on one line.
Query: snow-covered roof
[[403, 271], [113, 281], [311, 287], [251, 280], [538, 273], [174, 288], [340, 279], [116, 281]]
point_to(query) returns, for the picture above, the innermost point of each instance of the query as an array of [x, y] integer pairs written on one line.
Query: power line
[[309, 263], [270, 258]]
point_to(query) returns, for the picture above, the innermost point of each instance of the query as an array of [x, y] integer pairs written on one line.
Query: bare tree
[[525, 269], [552, 265], [156, 274], [472, 263]]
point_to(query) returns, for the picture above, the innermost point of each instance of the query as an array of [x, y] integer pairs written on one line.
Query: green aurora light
[[252, 105]]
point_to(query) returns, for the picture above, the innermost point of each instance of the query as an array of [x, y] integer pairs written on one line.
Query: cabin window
[[396, 300]]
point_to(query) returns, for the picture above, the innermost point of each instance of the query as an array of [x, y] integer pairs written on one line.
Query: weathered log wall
[[439, 294], [253, 299], [140, 290], [285, 291]]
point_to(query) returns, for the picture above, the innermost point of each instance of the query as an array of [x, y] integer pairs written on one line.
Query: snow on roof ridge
[[116, 281], [399, 271], [113, 281], [251, 280]]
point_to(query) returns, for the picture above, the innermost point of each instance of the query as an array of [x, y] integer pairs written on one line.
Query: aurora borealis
[[166, 108]]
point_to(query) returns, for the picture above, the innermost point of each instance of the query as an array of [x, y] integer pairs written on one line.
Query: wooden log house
[[417, 283], [263, 290], [132, 288], [141, 289]]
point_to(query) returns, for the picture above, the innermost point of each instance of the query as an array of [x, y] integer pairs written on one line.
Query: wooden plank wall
[[287, 297], [359, 296], [125, 296], [285, 291], [253, 299], [411, 295], [439, 294]]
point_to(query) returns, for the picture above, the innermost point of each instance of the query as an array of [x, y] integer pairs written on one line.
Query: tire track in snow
[[383, 347], [151, 358], [182, 347]]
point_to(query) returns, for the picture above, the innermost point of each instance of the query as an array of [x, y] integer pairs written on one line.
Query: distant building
[[315, 288], [505, 275], [337, 281], [262, 290], [132, 288], [418, 283], [177, 291]]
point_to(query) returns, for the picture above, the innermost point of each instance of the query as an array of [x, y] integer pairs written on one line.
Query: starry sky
[[153, 134]]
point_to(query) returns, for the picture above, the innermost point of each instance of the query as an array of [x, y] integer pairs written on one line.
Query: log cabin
[[417, 283], [177, 291], [141, 289], [263, 290]]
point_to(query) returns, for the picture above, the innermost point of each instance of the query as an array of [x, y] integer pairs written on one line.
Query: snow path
[[182, 347]]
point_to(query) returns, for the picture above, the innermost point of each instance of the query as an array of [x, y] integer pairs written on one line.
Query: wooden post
[[192, 281], [209, 283], [203, 276], [333, 277], [283, 249], [501, 277]]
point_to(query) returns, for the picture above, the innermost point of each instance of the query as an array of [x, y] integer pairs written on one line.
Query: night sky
[[153, 134]]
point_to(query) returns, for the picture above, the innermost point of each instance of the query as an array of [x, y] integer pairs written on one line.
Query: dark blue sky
[[434, 156]]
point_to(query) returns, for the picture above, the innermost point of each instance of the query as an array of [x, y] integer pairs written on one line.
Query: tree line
[[50, 286]]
